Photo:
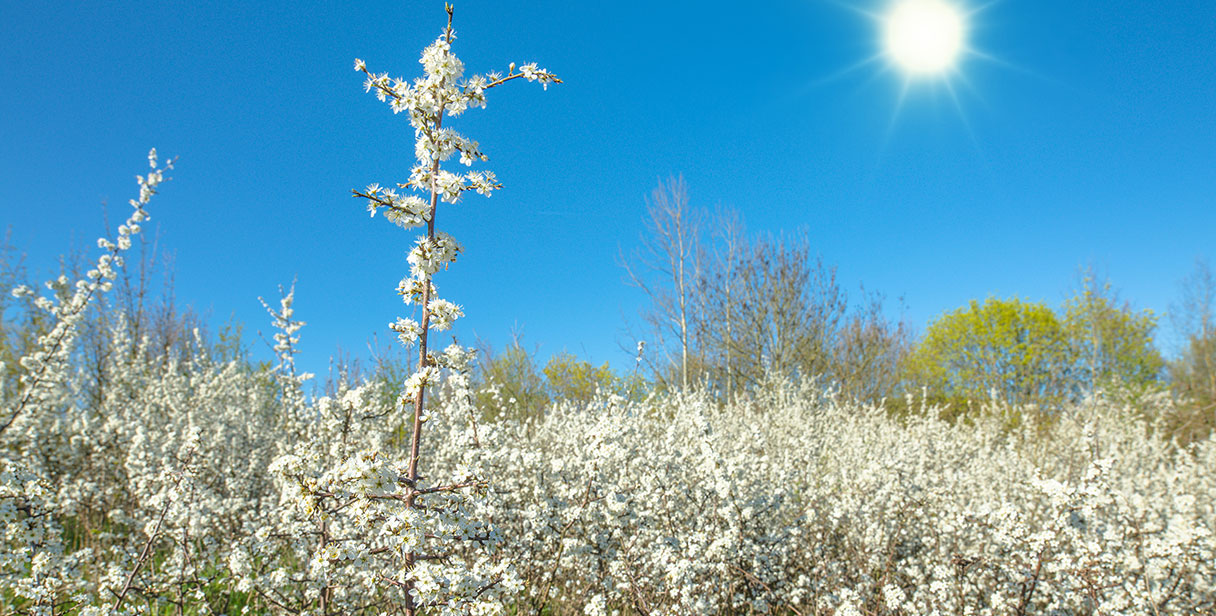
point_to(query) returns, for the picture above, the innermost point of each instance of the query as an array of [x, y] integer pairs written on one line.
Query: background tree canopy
[[1027, 354], [1017, 349], [1111, 344]]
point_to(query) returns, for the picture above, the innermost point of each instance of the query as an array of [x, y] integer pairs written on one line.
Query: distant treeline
[[728, 308]]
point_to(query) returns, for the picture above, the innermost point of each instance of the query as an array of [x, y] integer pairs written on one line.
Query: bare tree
[[870, 351], [717, 292], [1193, 371], [789, 308], [767, 305], [666, 267], [738, 309], [1195, 316]]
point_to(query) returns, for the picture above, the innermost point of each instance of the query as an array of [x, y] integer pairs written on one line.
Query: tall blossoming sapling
[[419, 536]]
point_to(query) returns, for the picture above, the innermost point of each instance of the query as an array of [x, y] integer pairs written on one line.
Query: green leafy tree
[[508, 383], [1111, 344], [1018, 349], [570, 378]]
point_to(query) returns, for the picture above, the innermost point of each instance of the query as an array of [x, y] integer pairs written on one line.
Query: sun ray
[[971, 11], [802, 91], [841, 73], [1003, 63], [962, 115], [853, 8], [974, 91], [895, 112]]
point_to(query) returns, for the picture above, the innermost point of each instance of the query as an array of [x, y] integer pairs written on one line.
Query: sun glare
[[924, 37]]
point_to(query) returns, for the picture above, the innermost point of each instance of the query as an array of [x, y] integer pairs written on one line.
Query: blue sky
[[1085, 133]]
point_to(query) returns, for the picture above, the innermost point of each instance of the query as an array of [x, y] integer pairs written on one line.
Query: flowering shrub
[[794, 501], [385, 532], [218, 489]]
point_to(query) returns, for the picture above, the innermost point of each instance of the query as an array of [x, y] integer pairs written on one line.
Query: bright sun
[[924, 37]]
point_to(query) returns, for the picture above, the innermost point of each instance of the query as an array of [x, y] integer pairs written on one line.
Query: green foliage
[[570, 378], [509, 385], [1193, 376], [1030, 355], [1018, 349], [230, 344], [20, 322], [1111, 344]]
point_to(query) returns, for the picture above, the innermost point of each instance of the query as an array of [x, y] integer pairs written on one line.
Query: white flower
[[408, 330], [443, 314]]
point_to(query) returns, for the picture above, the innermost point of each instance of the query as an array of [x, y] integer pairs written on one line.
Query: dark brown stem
[[1028, 589], [143, 558], [561, 540]]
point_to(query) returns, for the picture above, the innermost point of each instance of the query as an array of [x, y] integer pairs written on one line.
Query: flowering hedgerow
[[789, 500]]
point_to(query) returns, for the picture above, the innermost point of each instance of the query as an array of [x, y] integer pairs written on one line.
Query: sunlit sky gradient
[[1086, 134]]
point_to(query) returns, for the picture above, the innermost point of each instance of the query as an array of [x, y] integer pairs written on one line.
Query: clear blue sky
[[1088, 134]]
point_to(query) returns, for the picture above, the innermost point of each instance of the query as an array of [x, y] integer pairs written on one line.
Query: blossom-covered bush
[[794, 500], [218, 488]]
